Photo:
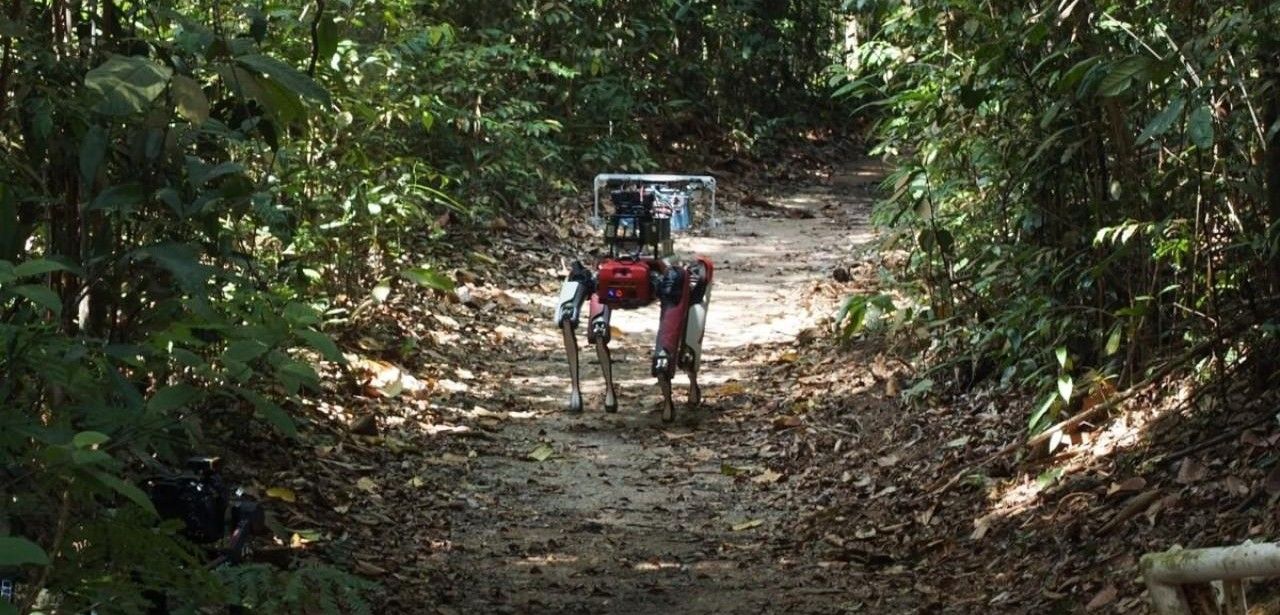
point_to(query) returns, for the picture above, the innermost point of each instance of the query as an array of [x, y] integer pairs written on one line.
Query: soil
[[442, 463], [632, 515]]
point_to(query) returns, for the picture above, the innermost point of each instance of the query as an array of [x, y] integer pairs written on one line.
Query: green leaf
[[327, 38], [192, 104], [1065, 386], [428, 278], [121, 198], [40, 295], [128, 490], [1061, 353], [183, 262], [1041, 411], [270, 412], [244, 351], [1200, 127], [287, 76], [83, 457], [301, 314], [11, 235], [41, 266], [542, 452], [1113, 341], [89, 439], [322, 343], [1161, 123], [173, 397], [126, 84], [15, 551], [92, 150], [1124, 74]]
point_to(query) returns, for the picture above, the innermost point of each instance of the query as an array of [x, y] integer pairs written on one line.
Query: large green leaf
[[270, 412], [15, 551], [41, 266], [192, 103], [1161, 123], [171, 398], [183, 261], [287, 76], [127, 489], [428, 278], [122, 198], [1126, 73], [1200, 127], [126, 84], [92, 150], [322, 343], [40, 295]]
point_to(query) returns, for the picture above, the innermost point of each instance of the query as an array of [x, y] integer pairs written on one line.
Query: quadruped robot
[[645, 210]]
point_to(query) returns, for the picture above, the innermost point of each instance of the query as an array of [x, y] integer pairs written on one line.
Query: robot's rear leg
[[673, 292], [576, 288], [695, 325], [598, 334]]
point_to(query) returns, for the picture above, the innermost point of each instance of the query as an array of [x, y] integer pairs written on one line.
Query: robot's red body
[[636, 274]]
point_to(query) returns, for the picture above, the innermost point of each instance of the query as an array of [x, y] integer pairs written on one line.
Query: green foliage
[[193, 193], [1081, 189]]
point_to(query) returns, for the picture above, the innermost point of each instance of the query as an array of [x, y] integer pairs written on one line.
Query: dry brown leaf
[[767, 477], [1191, 471], [787, 422], [1272, 483], [1131, 485], [1102, 598]]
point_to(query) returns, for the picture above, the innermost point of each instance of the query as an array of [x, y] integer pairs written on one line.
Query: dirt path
[[630, 515]]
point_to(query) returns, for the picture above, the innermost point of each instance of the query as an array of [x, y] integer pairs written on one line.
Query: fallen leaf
[[671, 435], [730, 388], [1131, 485], [1272, 484], [1102, 598], [767, 477], [787, 422], [282, 493], [1191, 472], [789, 356], [366, 484], [981, 526], [417, 482], [729, 470], [746, 525], [542, 452], [957, 443]]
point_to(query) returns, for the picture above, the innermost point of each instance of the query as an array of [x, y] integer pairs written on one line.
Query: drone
[[644, 211]]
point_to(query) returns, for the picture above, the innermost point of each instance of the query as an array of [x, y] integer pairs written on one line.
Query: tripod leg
[[599, 335]]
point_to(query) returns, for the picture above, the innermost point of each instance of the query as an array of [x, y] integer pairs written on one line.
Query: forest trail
[[631, 515]]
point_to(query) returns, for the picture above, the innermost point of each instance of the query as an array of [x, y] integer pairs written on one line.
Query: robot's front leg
[[673, 293], [576, 288], [695, 326], [598, 334]]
